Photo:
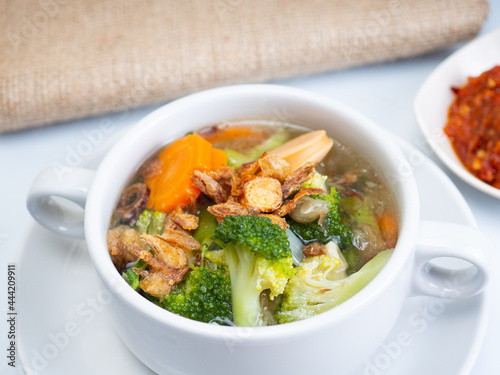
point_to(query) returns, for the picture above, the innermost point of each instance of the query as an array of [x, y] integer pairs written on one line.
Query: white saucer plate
[[435, 97], [65, 328]]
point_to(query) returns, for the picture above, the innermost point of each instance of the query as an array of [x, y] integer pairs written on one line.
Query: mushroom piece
[[309, 209]]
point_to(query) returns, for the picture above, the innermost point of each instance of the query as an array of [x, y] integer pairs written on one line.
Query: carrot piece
[[219, 158], [228, 133], [173, 187], [389, 227]]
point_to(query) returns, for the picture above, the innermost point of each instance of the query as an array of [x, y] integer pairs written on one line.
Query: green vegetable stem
[[258, 257]]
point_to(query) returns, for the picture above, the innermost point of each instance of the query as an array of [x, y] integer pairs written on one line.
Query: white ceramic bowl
[[333, 342], [435, 97]]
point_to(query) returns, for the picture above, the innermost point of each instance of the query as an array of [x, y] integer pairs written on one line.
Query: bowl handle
[[448, 240], [46, 207]]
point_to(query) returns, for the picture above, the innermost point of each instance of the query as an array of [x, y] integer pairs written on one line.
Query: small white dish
[[68, 299], [435, 97]]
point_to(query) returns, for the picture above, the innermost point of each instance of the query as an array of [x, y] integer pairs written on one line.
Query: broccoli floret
[[204, 295], [317, 181], [331, 228], [151, 222], [313, 290], [258, 257]]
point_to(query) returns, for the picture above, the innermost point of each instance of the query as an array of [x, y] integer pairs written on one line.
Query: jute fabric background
[[63, 59]]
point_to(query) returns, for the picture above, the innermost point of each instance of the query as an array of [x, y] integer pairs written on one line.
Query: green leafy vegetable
[[236, 158], [311, 291], [131, 277], [206, 228]]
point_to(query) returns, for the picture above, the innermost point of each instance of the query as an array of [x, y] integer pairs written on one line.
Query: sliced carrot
[[388, 225], [173, 187], [228, 133], [219, 158]]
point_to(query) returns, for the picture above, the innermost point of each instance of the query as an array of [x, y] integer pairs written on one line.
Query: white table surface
[[382, 92]]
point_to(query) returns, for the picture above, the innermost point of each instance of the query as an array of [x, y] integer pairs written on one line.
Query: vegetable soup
[[252, 223]]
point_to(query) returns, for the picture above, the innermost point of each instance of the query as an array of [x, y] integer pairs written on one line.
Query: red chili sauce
[[473, 125]]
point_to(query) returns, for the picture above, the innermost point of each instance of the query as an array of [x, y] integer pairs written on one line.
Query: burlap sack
[[64, 59]]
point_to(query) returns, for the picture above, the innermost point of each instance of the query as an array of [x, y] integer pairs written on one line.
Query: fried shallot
[[294, 180], [314, 249], [183, 220], [275, 167], [122, 241], [262, 193], [231, 209], [180, 239], [225, 177], [167, 265], [209, 186]]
